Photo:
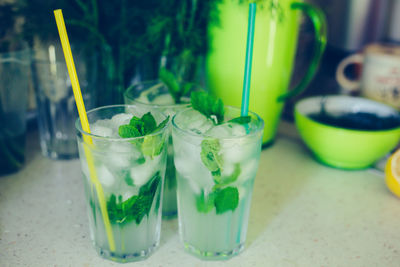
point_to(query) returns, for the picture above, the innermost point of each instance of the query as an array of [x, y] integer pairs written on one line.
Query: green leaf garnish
[[136, 207], [150, 145], [225, 180], [128, 131], [176, 88], [207, 105], [241, 120], [221, 197], [205, 204], [149, 123], [162, 124], [138, 124], [226, 199], [210, 155], [168, 78]]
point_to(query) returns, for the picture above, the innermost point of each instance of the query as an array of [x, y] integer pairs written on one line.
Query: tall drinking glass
[[155, 95], [216, 167], [123, 180], [14, 81]]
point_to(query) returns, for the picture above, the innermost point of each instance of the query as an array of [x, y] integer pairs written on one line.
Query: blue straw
[[249, 57]]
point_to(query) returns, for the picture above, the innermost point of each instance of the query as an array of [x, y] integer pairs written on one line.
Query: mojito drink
[[155, 96], [123, 163], [216, 163]]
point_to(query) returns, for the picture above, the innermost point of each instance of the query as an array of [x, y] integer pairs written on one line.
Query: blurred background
[[121, 42], [352, 25], [151, 31]]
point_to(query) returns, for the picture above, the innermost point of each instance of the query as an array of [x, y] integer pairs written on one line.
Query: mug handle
[[319, 21], [344, 82]]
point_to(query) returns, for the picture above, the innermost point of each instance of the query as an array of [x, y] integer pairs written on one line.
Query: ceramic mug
[[379, 78], [275, 42]]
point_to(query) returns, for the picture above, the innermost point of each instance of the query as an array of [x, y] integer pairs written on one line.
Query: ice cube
[[105, 177], [237, 150], [198, 175], [121, 154], [228, 169], [120, 119], [248, 170], [142, 173], [195, 122], [164, 99], [101, 129], [227, 130]]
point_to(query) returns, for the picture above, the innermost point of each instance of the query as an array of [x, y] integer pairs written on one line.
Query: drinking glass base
[[126, 257], [213, 255]]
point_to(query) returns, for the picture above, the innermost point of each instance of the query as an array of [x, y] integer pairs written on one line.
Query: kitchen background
[[352, 24]]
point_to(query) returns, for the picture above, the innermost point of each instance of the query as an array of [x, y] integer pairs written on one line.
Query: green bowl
[[340, 147]]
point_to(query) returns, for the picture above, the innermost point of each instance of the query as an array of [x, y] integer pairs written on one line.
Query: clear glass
[[56, 107], [207, 230], [14, 81], [154, 95], [123, 186]]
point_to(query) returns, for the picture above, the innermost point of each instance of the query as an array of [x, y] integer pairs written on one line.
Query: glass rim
[[166, 106], [257, 130], [78, 125]]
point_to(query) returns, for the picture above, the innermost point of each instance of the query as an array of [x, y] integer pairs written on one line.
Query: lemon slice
[[392, 173]]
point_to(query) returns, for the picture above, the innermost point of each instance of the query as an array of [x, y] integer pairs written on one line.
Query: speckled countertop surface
[[302, 214]]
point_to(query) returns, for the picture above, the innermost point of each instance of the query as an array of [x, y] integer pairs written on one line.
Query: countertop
[[302, 214]]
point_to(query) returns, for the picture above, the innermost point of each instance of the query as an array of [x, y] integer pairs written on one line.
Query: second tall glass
[[154, 95]]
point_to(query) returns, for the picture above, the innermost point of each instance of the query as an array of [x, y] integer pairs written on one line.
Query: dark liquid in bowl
[[358, 121]]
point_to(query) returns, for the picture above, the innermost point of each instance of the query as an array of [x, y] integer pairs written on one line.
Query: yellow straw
[[85, 123]]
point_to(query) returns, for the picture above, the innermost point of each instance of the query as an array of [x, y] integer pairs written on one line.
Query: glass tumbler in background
[[56, 108], [14, 82], [125, 176], [155, 96], [216, 167]]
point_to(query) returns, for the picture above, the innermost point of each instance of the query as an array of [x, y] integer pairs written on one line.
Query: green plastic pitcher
[[275, 42]]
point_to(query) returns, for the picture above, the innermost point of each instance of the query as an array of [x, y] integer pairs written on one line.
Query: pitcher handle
[[319, 21]]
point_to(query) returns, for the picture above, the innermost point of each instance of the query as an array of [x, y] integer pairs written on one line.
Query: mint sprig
[[241, 120], [226, 199], [150, 145], [176, 88], [222, 196], [210, 155], [209, 106], [137, 206]]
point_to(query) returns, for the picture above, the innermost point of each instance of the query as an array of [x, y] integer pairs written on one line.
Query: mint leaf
[[210, 155], [149, 123], [226, 199], [205, 204], [223, 181], [128, 179], [136, 207], [241, 120], [128, 131], [150, 145], [138, 124], [162, 124], [172, 84], [208, 106]]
